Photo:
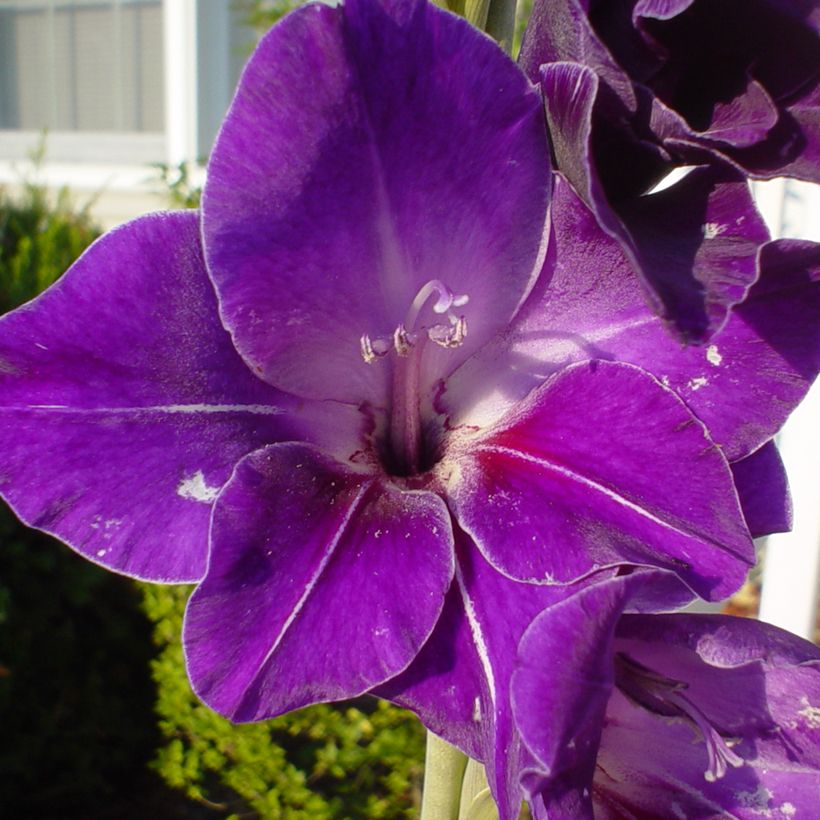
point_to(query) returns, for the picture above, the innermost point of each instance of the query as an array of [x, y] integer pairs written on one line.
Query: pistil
[[405, 412]]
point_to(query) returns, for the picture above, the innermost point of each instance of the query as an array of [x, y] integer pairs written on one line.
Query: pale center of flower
[[666, 697], [405, 447]]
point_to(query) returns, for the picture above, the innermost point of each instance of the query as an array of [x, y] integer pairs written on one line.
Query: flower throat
[[405, 452]]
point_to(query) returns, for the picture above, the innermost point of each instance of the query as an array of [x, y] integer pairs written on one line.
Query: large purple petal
[[692, 273], [763, 489], [601, 465], [322, 582], [587, 304], [123, 405], [370, 149]]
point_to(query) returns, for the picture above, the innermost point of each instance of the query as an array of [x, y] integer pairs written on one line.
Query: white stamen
[[452, 336], [373, 349], [407, 334], [403, 341]]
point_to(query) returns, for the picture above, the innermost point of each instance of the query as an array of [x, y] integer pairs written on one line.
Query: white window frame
[[199, 38], [791, 566]]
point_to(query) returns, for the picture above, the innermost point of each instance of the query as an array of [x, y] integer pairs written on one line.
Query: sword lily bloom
[[384, 387]]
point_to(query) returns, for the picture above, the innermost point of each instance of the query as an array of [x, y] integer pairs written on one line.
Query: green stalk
[[444, 767], [496, 17], [500, 23]]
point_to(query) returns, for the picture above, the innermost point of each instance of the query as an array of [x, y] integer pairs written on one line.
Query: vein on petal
[[477, 634], [297, 609], [171, 409], [610, 494]]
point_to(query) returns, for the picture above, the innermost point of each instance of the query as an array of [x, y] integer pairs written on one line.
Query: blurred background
[[108, 109]]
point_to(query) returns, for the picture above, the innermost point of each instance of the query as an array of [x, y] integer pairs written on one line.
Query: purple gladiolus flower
[[633, 89], [665, 715], [395, 391]]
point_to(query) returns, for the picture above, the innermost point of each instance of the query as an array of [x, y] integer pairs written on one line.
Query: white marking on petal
[[695, 384], [810, 713], [477, 710], [478, 636], [713, 355], [713, 229], [195, 489], [757, 800], [788, 809], [259, 409]]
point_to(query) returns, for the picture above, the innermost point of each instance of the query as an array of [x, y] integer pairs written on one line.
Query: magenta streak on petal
[[593, 469]]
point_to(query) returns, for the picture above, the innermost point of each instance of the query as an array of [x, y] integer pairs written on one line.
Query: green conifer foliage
[[39, 239], [362, 759]]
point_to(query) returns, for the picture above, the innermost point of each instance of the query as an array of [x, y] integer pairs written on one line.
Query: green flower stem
[[476, 801], [496, 17], [444, 767], [501, 22]]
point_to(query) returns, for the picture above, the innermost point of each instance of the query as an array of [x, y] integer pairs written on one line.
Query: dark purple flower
[[633, 89], [665, 715], [434, 408]]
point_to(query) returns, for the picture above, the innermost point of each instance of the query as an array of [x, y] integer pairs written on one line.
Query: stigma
[[411, 332]]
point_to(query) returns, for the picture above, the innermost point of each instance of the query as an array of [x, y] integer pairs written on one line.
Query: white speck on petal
[[757, 801], [712, 229], [477, 711], [100, 553], [695, 384], [713, 355], [195, 489], [810, 713], [788, 809]]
